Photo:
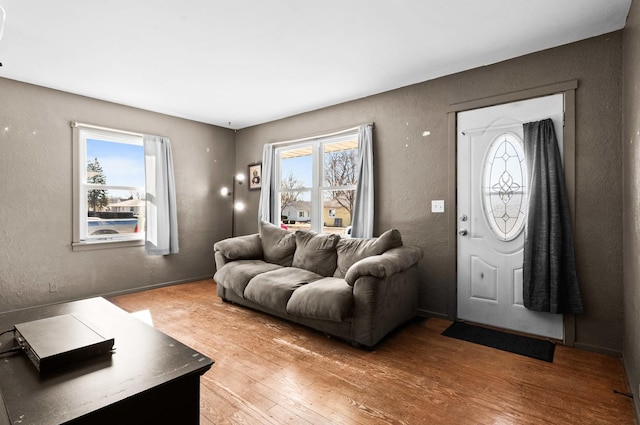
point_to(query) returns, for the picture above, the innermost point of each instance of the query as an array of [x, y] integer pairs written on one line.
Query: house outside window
[[317, 183], [109, 188]]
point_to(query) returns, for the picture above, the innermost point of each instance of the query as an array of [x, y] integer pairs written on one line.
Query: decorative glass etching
[[505, 186]]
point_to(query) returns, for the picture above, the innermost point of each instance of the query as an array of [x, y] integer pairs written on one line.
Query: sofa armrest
[[384, 265], [247, 247]]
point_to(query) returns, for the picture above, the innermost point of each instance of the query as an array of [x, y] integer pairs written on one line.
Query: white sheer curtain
[[363, 209], [161, 215], [265, 207]]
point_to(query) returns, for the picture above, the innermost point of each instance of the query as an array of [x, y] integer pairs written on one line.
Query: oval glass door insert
[[505, 186]]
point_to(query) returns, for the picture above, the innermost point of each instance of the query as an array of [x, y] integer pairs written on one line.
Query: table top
[[143, 359]]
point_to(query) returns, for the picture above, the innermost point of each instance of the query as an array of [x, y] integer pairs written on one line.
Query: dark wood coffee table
[[150, 378]]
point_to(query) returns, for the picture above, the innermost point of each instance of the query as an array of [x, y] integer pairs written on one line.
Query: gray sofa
[[354, 289]]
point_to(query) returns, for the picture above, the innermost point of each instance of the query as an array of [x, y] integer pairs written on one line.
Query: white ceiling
[[238, 63]]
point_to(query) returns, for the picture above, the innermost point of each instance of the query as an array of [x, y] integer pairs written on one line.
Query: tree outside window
[[97, 198]]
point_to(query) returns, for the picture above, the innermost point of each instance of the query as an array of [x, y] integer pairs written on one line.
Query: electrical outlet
[[437, 206], [53, 287]]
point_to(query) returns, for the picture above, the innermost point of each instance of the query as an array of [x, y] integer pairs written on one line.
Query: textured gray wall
[[36, 199], [411, 170], [631, 165]]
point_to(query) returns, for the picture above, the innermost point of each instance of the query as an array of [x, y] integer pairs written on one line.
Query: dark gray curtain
[[550, 280]]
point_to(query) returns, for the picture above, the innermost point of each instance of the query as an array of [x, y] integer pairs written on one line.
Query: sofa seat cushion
[[236, 275], [274, 288], [329, 298]]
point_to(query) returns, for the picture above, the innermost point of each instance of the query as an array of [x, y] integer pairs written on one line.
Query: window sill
[[105, 244]]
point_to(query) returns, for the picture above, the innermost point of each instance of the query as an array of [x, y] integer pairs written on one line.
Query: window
[[505, 186], [109, 188], [317, 183]]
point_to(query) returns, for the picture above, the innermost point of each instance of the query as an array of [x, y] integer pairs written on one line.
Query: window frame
[[318, 188], [80, 240]]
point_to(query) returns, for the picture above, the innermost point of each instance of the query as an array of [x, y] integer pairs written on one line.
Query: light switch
[[437, 206]]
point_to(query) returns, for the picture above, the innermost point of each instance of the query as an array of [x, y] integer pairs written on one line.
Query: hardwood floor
[[269, 371]]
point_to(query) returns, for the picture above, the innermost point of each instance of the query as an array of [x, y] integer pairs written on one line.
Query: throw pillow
[[278, 245], [353, 250], [316, 253]]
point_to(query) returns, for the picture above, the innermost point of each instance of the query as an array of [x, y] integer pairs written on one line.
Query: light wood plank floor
[[269, 371]]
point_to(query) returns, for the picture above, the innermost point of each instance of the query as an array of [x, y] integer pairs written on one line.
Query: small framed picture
[[255, 176]]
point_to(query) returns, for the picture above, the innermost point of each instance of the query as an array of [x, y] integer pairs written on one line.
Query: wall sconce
[[236, 206]]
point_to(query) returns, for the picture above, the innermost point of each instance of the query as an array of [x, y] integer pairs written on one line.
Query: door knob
[[462, 232]]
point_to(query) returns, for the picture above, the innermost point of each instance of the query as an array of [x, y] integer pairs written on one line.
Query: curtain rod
[[97, 127], [318, 136]]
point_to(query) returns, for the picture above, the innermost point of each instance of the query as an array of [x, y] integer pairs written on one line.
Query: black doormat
[[518, 344]]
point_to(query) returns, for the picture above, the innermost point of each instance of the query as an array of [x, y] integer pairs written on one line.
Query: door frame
[[568, 88]]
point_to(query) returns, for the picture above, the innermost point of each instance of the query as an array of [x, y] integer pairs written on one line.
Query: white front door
[[492, 207]]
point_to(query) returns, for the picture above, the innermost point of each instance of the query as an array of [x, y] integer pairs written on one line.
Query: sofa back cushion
[[315, 252], [278, 245], [352, 250]]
